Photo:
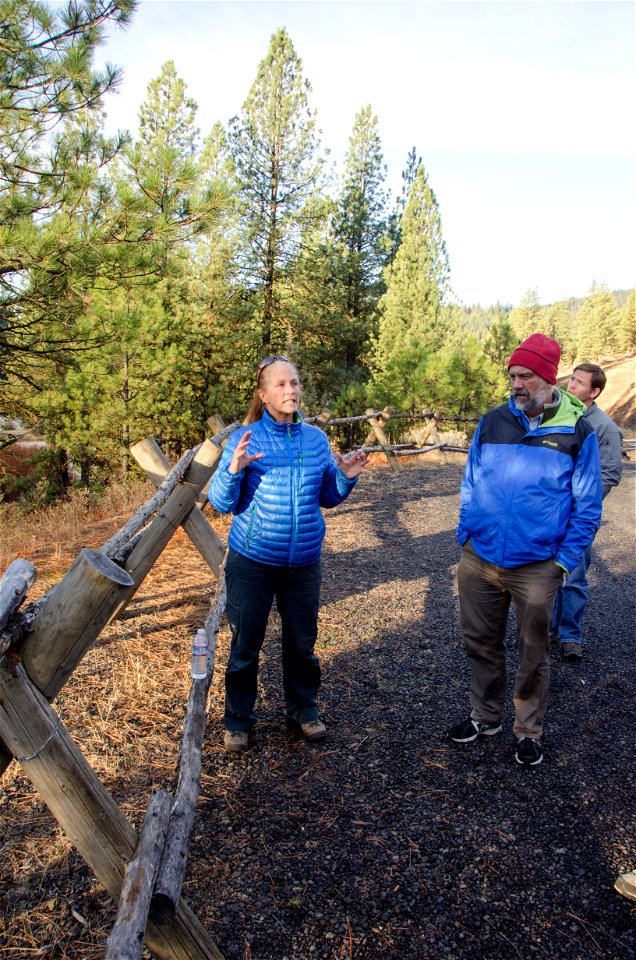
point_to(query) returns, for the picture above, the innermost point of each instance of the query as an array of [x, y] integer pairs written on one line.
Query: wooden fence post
[[176, 508], [323, 419], [377, 431], [156, 465], [432, 432], [83, 807]]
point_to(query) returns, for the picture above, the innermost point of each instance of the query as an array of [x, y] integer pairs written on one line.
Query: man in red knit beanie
[[530, 505]]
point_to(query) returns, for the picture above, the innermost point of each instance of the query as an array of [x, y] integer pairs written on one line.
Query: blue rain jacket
[[529, 495], [276, 501]]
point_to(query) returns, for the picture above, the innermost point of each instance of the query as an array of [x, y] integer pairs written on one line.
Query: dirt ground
[[387, 842]]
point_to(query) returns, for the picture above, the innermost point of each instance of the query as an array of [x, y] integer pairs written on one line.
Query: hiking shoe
[[626, 885], [313, 730], [529, 752], [236, 741], [469, 730], [571, 650]]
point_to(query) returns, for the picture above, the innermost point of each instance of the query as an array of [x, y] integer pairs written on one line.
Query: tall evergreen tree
[[527, 318], [359, 231], [558, 325], [626, 333], [274, 147], [139, 381], [51, 152], [410, 311], [597, 322], [413, 163]]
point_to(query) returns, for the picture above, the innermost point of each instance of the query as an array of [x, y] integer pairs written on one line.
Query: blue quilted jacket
[[530, 495], [276, 501]]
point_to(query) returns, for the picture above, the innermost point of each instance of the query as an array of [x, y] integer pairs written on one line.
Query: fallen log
[[175, 852], [126, 941]]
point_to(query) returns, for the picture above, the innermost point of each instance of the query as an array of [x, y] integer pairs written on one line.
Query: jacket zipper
[[292, 546]]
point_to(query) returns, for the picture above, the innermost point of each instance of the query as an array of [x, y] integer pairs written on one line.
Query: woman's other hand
[[241, 458], [353, 465]]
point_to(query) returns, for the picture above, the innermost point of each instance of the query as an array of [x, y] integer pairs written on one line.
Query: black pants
[[251, 588]]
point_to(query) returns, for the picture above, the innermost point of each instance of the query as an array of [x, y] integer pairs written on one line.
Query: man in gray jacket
[[587, 383]]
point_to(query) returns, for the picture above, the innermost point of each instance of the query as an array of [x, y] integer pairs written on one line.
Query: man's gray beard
[[531, 404]]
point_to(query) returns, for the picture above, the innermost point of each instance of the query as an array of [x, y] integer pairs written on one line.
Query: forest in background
[[143, 277]]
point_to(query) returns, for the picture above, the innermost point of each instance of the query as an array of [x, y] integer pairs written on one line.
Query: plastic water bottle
[[199, 667]]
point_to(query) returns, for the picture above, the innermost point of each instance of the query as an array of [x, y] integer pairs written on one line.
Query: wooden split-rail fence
[[42, 644]]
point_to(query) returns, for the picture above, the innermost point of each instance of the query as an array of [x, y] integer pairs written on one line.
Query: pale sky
[[522, 111]]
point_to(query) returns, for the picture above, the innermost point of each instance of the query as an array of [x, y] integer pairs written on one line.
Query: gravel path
[[388, 841]]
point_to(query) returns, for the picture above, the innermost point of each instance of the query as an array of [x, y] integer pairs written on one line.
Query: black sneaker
[[571, 651], [469, 730], [529, 752]]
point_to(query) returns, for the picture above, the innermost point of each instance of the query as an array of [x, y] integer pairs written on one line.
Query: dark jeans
[[251, 588]]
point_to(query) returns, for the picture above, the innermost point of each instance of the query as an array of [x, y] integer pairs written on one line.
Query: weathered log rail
[[377, 439]]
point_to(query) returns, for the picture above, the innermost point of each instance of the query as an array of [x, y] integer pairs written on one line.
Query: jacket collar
[[275, 427]]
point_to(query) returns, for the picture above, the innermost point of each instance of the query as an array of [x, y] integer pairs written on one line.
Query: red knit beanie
[[539, 354]]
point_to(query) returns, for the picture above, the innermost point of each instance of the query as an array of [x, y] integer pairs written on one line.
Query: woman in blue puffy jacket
[[274, 477]]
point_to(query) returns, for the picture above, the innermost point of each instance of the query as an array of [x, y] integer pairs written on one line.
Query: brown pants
[[485, 592]]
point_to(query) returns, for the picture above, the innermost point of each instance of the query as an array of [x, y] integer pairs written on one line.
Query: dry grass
[[49, 536]]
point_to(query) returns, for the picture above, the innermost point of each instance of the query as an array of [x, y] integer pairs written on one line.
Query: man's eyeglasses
[[266, 362]]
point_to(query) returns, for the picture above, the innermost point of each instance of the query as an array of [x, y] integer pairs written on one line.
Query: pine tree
[[51, 152], [359, 231], [558, 325], [413, 163], [597, 322], [274, 147], [410, 324], [526, 319], [626, 334]]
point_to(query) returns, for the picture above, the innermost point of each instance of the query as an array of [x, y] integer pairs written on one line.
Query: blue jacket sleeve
[[225, 488], [473, 465], [336, 486], [586, 505]]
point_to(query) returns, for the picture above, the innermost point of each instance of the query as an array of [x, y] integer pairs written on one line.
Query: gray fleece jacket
[[609, 442]]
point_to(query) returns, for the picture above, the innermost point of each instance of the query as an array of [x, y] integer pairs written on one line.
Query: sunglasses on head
[[266, 362]]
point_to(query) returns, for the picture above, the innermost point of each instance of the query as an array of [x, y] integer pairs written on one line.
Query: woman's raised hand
[[241, 458], [353, 465]]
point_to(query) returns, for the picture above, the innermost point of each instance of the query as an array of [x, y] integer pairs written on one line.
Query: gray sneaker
[[236, 741], [313, 730]]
